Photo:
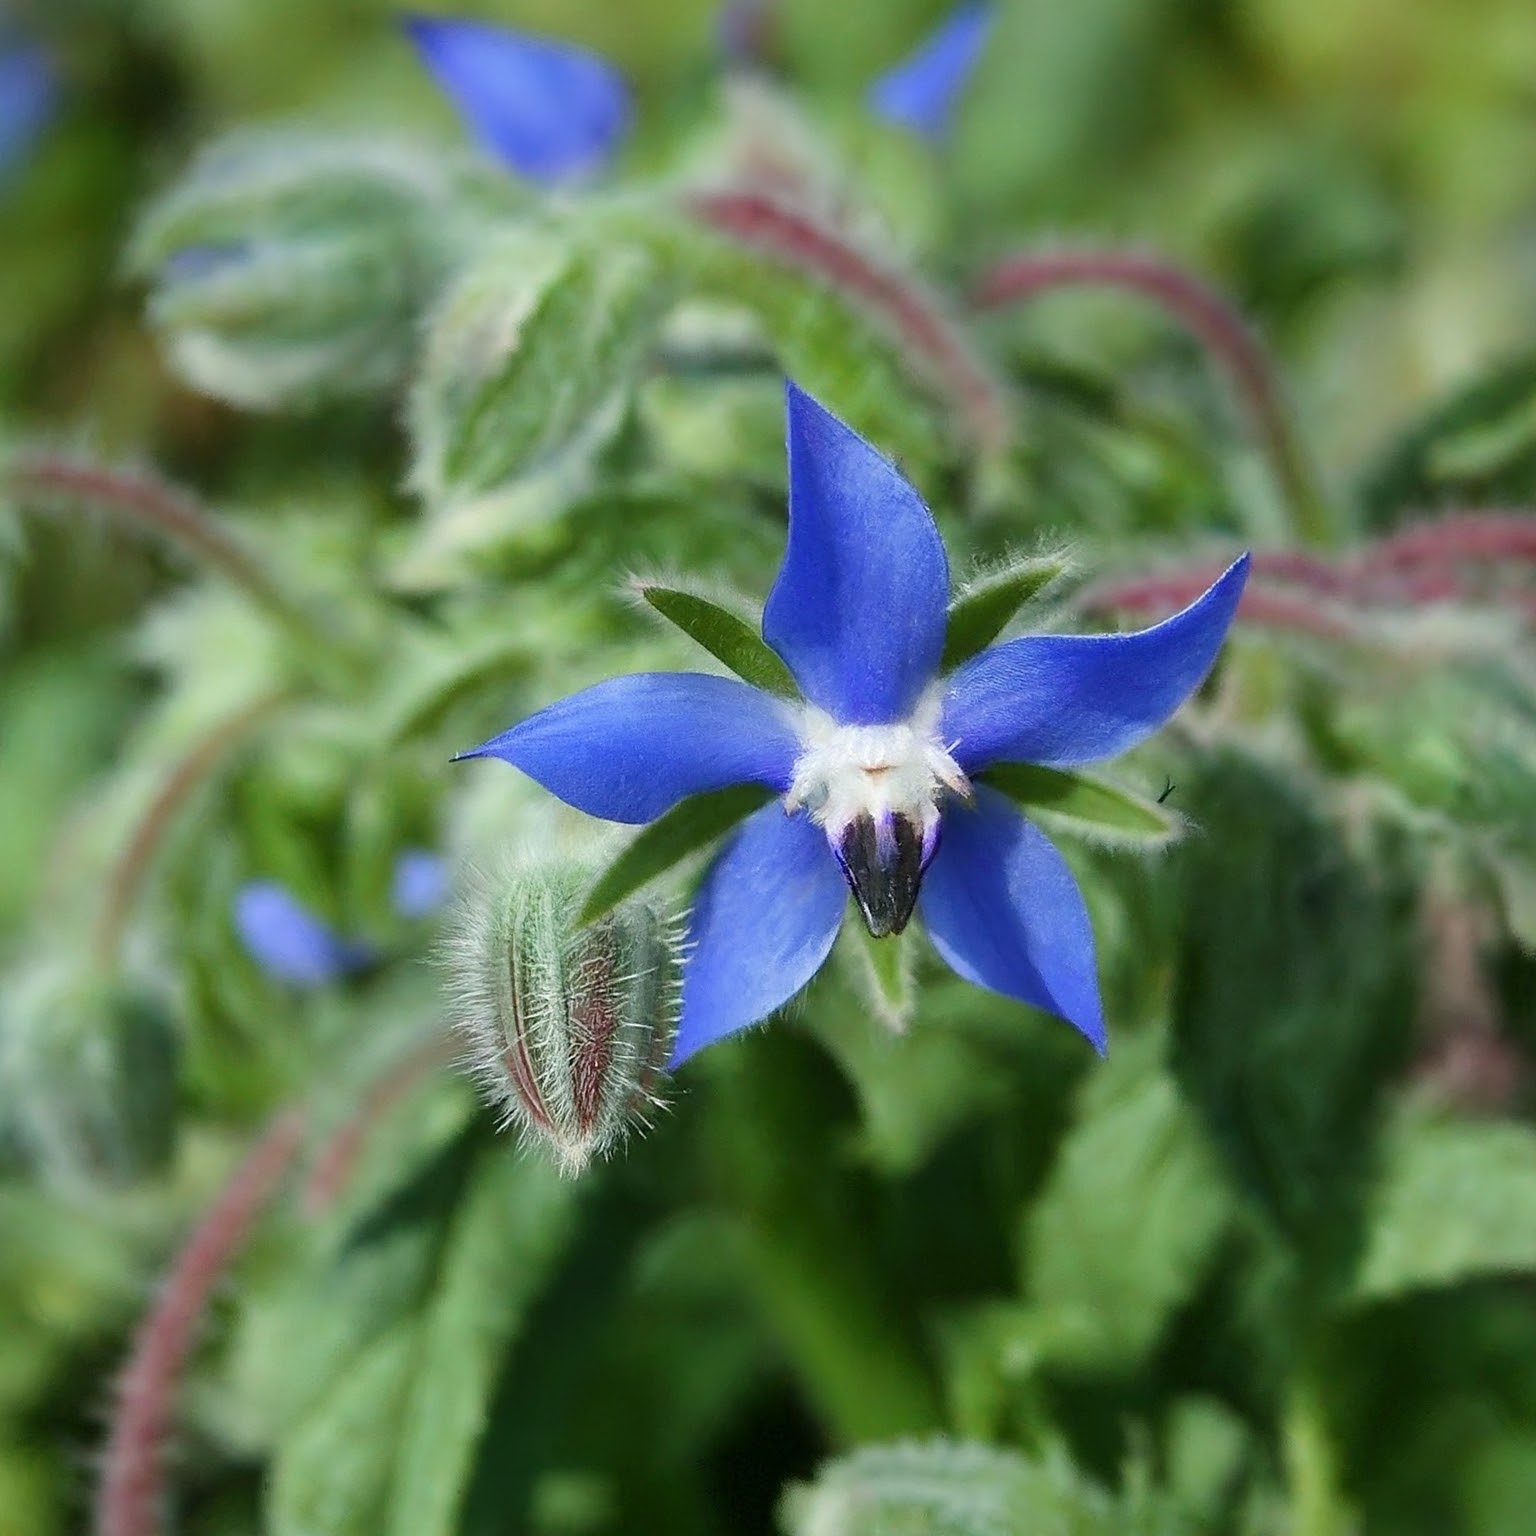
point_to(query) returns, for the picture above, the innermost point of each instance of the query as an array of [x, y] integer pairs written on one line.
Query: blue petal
[[1003, 910], [857, 612], [28, 89], [920, 92], [632, 747], [288, 941], [551, 111], [762, 926], [1060, 700], [420, 884]]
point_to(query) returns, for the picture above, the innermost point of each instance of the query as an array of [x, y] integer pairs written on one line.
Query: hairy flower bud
[[288, 270], [87, 1076], [569, 1027]]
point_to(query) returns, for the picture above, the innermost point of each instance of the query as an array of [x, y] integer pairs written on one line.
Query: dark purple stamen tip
[[883, 863]]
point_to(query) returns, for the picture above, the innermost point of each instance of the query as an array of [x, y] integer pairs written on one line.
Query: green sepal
[[1094, 806], [980, 612], [728, 636], [687, 827]]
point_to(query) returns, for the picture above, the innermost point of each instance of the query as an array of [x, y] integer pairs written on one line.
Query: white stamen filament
[[879, 771]]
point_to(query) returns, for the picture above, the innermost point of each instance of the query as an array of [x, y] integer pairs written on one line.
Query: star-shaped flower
[[880, 767], [556, 113]]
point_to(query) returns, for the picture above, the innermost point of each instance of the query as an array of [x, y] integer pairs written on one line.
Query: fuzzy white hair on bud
[[568, 1028]]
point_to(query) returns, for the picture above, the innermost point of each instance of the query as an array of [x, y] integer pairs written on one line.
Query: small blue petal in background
[[28, 90], [551, 111], [921, 91], [288, 941], [421, 884]]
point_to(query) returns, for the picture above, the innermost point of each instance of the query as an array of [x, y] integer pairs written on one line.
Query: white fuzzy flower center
[[846, 772]]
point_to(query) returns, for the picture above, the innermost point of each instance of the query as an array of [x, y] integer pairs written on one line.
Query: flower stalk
[[789, 234], [170, 514], [125, 882], [1212, 320], [131, 1495]]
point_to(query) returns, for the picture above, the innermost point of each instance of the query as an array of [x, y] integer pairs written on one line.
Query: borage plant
[[1250, 1272]]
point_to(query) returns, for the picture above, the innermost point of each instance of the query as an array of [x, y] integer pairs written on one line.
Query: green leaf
[[506, 1240], [1456, 1200], [1130, 1216], [332, 1470], [954, 1488], [986, 605], [1475, 448], [729, 637], [1297, 971], [687, 827], [389, 1443], [1091, 806], [543, 330]]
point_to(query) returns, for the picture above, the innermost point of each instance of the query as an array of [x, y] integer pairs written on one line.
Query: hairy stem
[[1213, 321], [125, 881], [166, 512], [936, 342], [336, 1162], [131, 1496]]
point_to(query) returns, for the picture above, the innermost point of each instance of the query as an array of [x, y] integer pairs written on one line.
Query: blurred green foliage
[[1267, 1270]]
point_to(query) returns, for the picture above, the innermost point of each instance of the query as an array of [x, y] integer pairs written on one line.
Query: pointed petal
[[762, 926], [1061, 700], [28, 89], [632, 747], [858, 610], [921, 91], [288, 941], [1003, 910], [551, 111]]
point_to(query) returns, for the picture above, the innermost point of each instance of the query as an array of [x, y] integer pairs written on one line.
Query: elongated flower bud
[[569, 1027], [88, 1072]]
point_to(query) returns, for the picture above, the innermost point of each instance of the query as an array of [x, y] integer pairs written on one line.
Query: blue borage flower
[[295, 946], [556, 113], [920, 92], [28, 92], [881, 768]]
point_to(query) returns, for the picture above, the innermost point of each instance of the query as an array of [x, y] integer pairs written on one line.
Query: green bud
[[287, 269], [88, 1070], [569, 1027]]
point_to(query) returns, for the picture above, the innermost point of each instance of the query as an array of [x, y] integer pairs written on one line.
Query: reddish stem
[[1468, 536], [131, 1496], [1211, 319], [756, 218], [337, 1160], [172, 514], [1167, 593], [128, 874]]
